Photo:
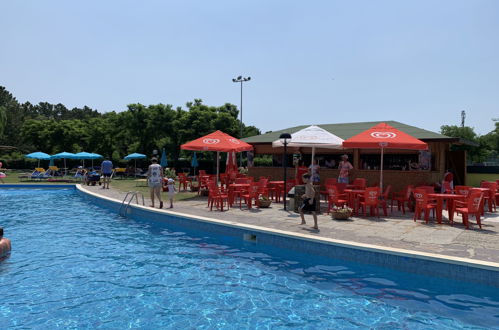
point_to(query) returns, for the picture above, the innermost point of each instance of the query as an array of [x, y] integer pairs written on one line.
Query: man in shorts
[[107, 170], [155, 181]]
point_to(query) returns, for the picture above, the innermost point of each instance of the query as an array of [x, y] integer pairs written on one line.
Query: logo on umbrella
[[383, 135], [236, 141], [418, 196], [211, 141]]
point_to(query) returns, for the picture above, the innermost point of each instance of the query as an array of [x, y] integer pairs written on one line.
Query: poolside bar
[[401, 167]]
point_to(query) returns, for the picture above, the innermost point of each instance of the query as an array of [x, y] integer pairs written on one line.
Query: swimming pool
[[78, 265]]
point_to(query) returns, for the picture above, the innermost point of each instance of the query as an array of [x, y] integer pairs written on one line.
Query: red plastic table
[[450, 204]]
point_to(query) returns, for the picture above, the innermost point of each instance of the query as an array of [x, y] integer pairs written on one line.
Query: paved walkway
[[396, 231]]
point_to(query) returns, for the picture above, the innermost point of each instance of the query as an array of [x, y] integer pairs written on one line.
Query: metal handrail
[[132, 194]]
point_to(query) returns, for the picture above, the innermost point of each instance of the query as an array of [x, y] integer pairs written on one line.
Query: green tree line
[[53, 128], [481, 148]]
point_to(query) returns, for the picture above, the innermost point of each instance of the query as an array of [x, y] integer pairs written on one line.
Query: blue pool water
[[76, 265]]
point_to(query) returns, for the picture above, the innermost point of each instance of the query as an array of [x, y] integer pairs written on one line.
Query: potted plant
[[341, 213], [264, 201]]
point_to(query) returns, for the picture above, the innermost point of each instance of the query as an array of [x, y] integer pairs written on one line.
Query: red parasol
[[217, 141], [383, 136]]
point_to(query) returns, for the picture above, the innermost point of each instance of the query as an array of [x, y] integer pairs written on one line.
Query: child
[[308, 201], [171, 191]]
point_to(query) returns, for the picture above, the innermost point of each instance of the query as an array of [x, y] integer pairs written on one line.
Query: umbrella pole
[[218, 164], [65, 167], [312, 163], [38, 163], [135, 169], [381, 173]]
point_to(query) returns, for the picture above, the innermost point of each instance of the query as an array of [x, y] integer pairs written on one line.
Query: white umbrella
[[312, 137]]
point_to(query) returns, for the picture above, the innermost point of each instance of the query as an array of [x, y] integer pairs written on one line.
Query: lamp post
[[284, 137], [241, 79]]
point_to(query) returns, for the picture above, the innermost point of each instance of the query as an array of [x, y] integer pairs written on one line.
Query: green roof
[[347, 130]]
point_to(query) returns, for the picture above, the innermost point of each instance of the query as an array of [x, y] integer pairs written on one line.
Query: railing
[[132, 195]]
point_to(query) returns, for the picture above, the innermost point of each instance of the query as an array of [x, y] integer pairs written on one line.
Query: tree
[[476, 151]]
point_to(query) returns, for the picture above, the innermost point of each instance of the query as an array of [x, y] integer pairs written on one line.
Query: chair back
[[289, 185], [330, 181], [447, 187], [333, 193], [408, 191], [371, 196], [341, 187], [359, 183], [263, 182], [474, 201], [40, 169], [241, 181], [387, 192], [428, 189], [202, 172], [421, 197], [462, 190]]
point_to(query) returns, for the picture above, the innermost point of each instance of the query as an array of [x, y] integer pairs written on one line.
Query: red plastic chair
[[384, 199], [370, 198], [402, 197], [359, 183], [473, 204], [328, 183], [183, 180], [423, 204], [341, 187], [218, 198], [249, 195], [334, 198], [490, 196]]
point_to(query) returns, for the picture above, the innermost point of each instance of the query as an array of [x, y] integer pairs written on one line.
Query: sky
[[310, 62]]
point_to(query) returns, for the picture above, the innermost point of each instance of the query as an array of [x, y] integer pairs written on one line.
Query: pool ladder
[[130, 194]]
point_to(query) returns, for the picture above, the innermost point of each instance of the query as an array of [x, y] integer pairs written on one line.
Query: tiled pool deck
[[395, 231]]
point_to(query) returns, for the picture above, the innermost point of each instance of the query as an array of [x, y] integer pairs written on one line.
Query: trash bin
[[299, 191], [291, 199]]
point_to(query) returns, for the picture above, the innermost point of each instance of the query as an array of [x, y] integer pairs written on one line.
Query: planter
[[264, 203], [341, 215]]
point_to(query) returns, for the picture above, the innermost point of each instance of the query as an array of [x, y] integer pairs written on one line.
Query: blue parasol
[[164, 161], [194, 162], [64, 155], [38, 155], [135, 156]]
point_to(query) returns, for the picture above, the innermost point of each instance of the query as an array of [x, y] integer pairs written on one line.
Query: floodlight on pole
[[241, 80]]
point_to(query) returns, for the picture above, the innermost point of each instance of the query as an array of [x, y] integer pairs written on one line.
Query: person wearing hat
[[170, 187], [155, 180], [344, 168]]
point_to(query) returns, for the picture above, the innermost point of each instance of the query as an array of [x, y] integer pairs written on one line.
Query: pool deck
[[396, 231]]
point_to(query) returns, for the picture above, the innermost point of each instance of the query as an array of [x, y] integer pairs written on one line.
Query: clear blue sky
[[311, 62]]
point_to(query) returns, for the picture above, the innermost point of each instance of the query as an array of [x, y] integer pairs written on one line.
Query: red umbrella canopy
[[384, 136], [217, 141]]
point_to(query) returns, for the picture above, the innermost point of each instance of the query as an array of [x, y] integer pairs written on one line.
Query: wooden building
[[401, 167]]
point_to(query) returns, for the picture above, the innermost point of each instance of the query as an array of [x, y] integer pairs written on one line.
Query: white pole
[[381, 173], [313, 167], [218, 164]]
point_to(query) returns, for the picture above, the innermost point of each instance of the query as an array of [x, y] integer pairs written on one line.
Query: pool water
[[76, 265]]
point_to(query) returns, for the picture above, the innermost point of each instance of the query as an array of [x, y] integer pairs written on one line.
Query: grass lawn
[[474, 179], [131, 185], [120, 184]]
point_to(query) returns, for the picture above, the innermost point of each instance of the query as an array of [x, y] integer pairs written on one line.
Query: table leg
[[439, 210], [450, 207]]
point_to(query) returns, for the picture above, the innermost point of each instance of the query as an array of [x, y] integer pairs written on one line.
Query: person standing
[[300, 170], [171, 190], [344, 168], [155, 181], [309, 202], [314, 172], [107, 170]]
